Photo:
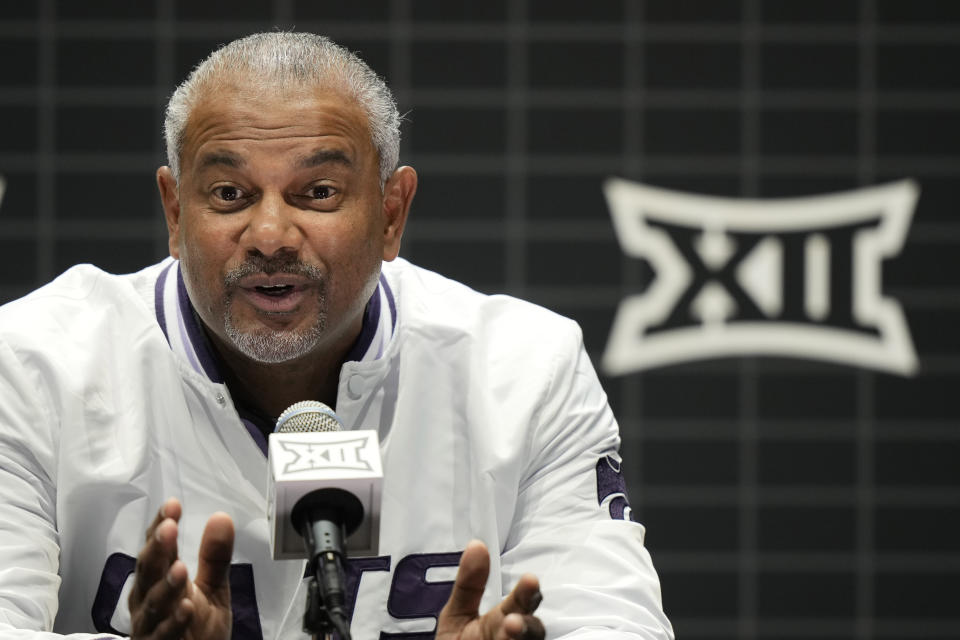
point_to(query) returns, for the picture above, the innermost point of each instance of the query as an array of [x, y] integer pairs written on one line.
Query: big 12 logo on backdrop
[[794, 277]]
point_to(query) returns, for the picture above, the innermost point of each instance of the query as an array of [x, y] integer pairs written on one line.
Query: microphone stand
[[326, 596], [325, 612]]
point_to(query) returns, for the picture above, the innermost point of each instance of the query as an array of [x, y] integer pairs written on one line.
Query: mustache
[[283, 263]]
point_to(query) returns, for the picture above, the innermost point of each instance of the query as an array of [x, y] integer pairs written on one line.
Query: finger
[[535, 629], [517, 607], [216, 551], [160, 602], [464, 600], [154, 559], [169, 509], [175, 626], [521, 627], [147, 569], [525, 597]]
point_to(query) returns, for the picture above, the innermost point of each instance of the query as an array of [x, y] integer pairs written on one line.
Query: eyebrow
[[222, 158], [236, 161], [323, 156]]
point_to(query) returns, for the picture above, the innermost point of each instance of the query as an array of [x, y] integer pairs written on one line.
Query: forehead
[[277, 122]]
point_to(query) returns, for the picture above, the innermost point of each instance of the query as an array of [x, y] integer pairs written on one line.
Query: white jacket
[[492, 421]]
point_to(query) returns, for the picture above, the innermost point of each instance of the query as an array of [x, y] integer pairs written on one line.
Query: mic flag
[[310, 452]]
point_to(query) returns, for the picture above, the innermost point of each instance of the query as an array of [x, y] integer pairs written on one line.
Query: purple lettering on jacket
[[412, 596], [115, 572], [119, 566], [610, 484], [243, 602], [354, 571]]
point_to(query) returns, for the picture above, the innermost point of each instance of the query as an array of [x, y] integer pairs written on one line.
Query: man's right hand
[[512, 619], [164, 602]]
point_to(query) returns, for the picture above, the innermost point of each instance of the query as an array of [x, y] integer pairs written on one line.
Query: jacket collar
[[181, 326]]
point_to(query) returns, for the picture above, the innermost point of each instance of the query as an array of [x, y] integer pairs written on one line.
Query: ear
[[170, 197], [397, 196]]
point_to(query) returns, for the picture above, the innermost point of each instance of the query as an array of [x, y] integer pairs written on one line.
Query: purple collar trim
[[204, 350], [251, 424], [197, 338], [158, 301], [192, 337], [371, 318], [390, 302]]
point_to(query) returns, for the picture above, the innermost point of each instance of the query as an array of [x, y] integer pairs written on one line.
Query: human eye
[[228, 193], [321, 192], [320, 197], [228, 196]]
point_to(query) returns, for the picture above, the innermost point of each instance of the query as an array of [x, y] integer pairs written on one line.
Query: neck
[[271, 388], [268, 389]]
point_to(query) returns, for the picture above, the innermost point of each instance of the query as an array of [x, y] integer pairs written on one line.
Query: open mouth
[[276, 298], [275, 290]]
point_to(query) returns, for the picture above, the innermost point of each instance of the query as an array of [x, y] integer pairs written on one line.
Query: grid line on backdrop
[[748, 570], [46, 148], [783, 498], [165, 35], [632, 273], [866, 175]]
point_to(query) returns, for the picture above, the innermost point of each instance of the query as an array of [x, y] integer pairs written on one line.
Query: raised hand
[[512, 619], [164, 602]]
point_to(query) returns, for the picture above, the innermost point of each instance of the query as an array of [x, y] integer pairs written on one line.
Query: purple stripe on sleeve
[[158, 301], [195, 333], [371, 319], [390, 301]]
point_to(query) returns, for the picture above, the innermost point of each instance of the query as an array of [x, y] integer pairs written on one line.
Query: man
[[285, 209]]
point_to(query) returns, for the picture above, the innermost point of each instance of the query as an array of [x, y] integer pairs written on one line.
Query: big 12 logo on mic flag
[[302, 462], [794, 277], [340, 454]]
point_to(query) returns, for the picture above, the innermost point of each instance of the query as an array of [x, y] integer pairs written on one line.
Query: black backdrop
[[783, 498]]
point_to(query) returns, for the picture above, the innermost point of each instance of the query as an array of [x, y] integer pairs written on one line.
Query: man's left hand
[[512, 619]]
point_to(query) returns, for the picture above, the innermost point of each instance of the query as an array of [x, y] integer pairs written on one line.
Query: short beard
[[265, 345]]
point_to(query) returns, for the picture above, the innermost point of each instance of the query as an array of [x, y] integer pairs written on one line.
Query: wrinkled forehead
[[235, 111]]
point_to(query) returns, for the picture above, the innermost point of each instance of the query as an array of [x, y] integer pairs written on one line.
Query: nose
[[271, 227]]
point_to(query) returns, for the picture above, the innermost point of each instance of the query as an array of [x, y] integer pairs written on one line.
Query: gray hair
[[285, 59]]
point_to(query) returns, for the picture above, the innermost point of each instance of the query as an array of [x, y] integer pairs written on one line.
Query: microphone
[[308, 452], [323, 490]]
